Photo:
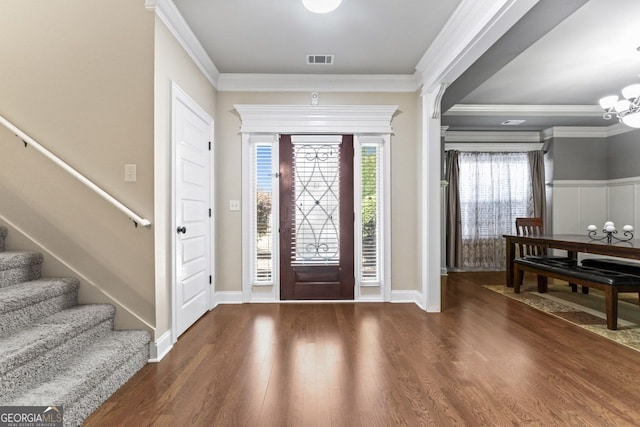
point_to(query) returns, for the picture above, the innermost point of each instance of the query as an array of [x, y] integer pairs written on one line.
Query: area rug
[[585, 311]]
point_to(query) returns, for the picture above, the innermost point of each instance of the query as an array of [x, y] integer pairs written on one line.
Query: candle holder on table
[[610, 231]]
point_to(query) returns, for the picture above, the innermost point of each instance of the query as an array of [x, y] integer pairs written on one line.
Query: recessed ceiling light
[[512, 122], [321, 6]]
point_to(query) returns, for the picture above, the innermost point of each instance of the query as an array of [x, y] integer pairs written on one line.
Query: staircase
[[53, 351]]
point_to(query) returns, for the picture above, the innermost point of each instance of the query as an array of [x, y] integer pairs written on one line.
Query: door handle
[[182, 229]]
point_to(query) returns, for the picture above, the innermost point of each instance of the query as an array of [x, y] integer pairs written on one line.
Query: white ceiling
[[589, 54], [274, 36]]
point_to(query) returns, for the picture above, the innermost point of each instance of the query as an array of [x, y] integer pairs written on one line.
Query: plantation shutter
[[371, 191], [261, 219]]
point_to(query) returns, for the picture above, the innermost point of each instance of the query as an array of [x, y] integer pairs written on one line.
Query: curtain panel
[[487, 191]]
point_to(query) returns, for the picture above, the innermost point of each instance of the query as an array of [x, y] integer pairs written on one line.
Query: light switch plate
[[130, 174], [234, 205]]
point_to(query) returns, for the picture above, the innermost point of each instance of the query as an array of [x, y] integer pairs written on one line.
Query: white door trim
[[267, 121], [180, 96]]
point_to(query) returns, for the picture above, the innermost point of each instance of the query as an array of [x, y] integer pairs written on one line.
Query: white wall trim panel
[[578, 183], [624, 181], [159, 348], [346, 119], [577, 204], [267, 121], [228, 297], [430, 208], [406, 296]]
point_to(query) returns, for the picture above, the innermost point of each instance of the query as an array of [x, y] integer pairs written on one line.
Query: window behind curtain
[[494, 188]]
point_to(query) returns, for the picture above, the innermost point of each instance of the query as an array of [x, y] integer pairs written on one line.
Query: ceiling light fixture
[[321, 6], [627, 109]]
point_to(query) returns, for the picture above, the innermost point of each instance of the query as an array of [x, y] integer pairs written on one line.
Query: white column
[[430, 206]]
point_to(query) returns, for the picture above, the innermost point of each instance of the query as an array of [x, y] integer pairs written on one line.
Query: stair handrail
[[137, 219]]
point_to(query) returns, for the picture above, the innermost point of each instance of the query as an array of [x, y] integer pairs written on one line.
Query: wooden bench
[[609, 281], [614, 265]]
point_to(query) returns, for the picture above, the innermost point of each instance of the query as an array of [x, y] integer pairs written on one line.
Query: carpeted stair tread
[[15, 259], [87, 379], [19, 266], [46, 334], [25, 302], [54, 351]]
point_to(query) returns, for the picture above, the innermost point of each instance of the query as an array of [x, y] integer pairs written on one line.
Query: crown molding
[[511, 147], [582, 131], [578, 183], [574, 132], [310, 119], [169, 14], [230, 82], [497, 136], [619, 129], [472, 29], [524, 110]]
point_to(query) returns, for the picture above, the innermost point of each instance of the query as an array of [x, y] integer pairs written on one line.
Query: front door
[[316, 217]]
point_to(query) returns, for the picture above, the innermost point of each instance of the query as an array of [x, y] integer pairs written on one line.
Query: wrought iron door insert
[[316, 207]]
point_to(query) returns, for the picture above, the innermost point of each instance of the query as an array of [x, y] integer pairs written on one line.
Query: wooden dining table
[[573, 244]]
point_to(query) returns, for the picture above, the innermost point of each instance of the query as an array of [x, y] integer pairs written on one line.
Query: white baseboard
[[405, 296], [160, 348], [414, 297], [228, 297]]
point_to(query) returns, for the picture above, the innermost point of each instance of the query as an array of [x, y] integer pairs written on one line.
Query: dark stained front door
[[316, 217]]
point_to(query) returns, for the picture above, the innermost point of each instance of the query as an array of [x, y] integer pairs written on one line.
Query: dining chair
[[533, 226]]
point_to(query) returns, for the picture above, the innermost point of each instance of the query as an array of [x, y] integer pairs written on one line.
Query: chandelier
[[626, 109]]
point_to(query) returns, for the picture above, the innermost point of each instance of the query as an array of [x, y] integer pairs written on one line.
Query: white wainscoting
[[576, 204]]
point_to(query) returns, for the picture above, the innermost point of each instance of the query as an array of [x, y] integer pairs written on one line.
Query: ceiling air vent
[[320, 59]]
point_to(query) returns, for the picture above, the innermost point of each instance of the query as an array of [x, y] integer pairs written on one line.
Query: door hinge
[[210, 280], [209, 145]]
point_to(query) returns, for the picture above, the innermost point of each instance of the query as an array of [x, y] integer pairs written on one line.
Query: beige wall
[[77, 75], [404, 187], [171, 64]]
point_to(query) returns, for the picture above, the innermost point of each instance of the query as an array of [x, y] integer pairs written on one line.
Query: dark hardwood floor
[[486, 360]]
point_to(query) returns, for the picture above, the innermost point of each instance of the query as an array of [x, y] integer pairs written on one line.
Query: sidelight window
[[370, 191], [316, 230], [261, 208]]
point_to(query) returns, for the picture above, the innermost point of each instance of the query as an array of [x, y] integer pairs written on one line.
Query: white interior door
[[193, 132]]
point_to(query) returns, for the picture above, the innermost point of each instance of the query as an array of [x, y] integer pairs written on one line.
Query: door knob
[[182, 229]]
